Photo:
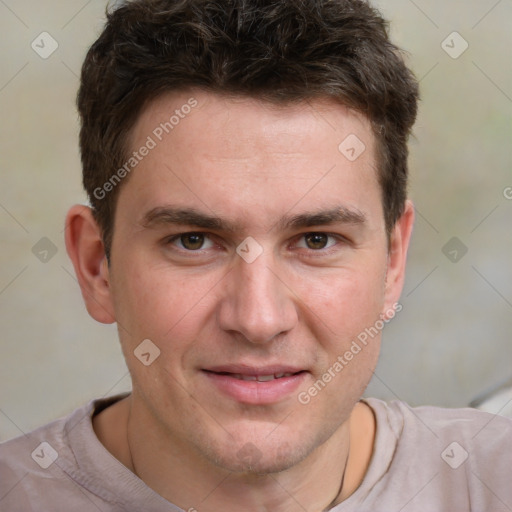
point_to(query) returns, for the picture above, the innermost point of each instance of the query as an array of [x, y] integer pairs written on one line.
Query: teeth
[[260, 378]]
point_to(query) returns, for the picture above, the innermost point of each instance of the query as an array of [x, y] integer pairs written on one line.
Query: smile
[[255, 386], [259, 378]]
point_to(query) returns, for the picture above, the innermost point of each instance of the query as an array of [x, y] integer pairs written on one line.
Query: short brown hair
[[281, 51]]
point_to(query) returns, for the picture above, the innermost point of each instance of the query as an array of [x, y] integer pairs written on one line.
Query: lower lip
[[255, 392]]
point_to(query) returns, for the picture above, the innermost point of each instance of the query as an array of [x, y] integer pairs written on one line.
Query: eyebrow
[[164, 215], [339, 215]]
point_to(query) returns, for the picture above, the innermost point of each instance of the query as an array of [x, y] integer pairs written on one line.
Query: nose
[[256, 302]]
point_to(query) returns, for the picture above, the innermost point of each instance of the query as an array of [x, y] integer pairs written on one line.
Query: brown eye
[[192, 241], [316, 240]]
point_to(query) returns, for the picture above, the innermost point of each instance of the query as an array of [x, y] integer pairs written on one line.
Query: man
[[246, 165]]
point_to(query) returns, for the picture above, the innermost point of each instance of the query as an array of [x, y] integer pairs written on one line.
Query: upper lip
[[254, 370]]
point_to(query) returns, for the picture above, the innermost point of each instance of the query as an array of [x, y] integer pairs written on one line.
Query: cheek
[[158, 303], [155, 304], [347, 300], [349, 308], [139, 301]]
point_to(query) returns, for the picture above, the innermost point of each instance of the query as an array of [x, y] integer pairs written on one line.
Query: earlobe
[[84, 245], [397, 257]]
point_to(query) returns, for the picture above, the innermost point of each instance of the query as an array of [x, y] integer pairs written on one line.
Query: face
[[252, 252]]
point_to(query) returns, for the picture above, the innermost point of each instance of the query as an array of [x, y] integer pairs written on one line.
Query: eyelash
[[177, 237], [313, 252]]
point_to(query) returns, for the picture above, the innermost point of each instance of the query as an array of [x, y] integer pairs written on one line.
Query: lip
[[254, 370], [252, 391]]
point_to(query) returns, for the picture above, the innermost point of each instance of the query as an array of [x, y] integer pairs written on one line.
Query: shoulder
[[37, 467], [481, 432], [32, 451], [54, 433], [26, 465], [442, 458], [470, 425], [400, 414]]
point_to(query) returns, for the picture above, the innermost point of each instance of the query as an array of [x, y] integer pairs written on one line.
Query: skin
[[299, 303]]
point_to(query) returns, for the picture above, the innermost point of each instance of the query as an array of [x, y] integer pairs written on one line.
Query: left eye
[[192, 241], [316, 241]]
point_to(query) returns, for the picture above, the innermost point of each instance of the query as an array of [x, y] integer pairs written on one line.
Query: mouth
[[255, 385], [257, 377]]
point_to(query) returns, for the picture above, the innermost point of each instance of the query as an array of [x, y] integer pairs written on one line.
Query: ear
[[84, 245], [397, 256]]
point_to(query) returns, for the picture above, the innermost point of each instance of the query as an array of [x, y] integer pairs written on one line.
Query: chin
[[249, 460], [261, 456]]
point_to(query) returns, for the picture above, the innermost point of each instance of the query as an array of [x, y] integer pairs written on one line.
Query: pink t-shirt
[[425, 459]]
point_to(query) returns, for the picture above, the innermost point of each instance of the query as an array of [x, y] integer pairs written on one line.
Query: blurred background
[[449, 345]]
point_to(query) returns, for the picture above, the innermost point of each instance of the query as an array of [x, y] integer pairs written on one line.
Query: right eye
[[193, 241]]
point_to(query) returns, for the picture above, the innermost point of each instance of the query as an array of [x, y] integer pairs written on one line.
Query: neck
[[181, 475]]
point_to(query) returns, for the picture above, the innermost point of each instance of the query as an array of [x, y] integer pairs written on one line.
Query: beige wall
[[451, 341]]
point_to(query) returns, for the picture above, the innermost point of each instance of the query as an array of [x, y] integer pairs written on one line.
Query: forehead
[[236, 120], [241, 155]]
